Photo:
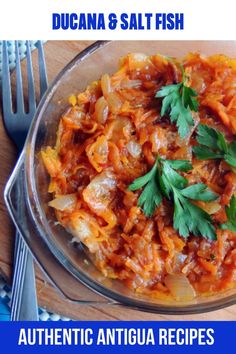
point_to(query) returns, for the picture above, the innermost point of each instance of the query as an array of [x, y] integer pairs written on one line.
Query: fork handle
[[24, 298]]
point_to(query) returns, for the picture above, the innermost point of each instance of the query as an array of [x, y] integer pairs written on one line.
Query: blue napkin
[[4, 301], [4, 311], [5, 298], [11, 52]]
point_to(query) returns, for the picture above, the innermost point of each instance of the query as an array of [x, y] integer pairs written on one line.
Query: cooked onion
[[131, 83], [180, 287], [101, 110], [139, 57], [84, 232], [114, 102], [137, 61], [100, 191], [63, 202], [98, 153], [106, 85], [134, 148]]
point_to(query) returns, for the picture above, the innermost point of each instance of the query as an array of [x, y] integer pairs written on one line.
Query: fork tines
[[11, 124]]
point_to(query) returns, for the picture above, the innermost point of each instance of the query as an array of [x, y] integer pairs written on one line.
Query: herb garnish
[[213, 145], [150, 197], [164, 181], [179, 101], [231, 215]]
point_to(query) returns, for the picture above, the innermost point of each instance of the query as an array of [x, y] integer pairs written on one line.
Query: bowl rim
[[40, 220]]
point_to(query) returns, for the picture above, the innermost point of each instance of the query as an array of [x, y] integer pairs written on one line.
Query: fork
[[24, 298]]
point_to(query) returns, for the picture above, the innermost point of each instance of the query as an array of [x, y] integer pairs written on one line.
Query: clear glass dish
[[69, 267]]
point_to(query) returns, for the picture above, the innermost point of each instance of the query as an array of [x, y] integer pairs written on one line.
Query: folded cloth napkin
[[5, 299], [11, 52]]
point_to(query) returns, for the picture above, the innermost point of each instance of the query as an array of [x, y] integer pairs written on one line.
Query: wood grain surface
[[58, 54]]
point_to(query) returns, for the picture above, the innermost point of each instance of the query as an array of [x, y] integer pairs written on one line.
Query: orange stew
[[110, 135]]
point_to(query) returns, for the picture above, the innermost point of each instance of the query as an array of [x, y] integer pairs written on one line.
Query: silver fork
[[24, 298]]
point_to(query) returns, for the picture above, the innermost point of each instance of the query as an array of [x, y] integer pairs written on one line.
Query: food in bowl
[[143, 174]]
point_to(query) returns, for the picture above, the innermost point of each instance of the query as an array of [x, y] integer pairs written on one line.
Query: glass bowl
[[70, 267]]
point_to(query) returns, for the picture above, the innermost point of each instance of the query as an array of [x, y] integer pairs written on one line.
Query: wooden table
[[58, 53]]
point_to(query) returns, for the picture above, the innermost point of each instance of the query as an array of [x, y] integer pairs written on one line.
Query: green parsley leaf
[[203, 153], [169, 167], [171, 177], [232, 148], [150, 197], [181, 165], [199, 191], [207, 136], [141, 181], [231, 215], [188, 98], [179, 101], [189, 218], [164, 181], [231, 160], [213, 145]]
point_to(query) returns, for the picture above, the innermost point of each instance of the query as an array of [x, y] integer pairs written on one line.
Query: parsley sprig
[[231, 215], [164, 181], [213, 145], [150, 197], [179, 101]]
